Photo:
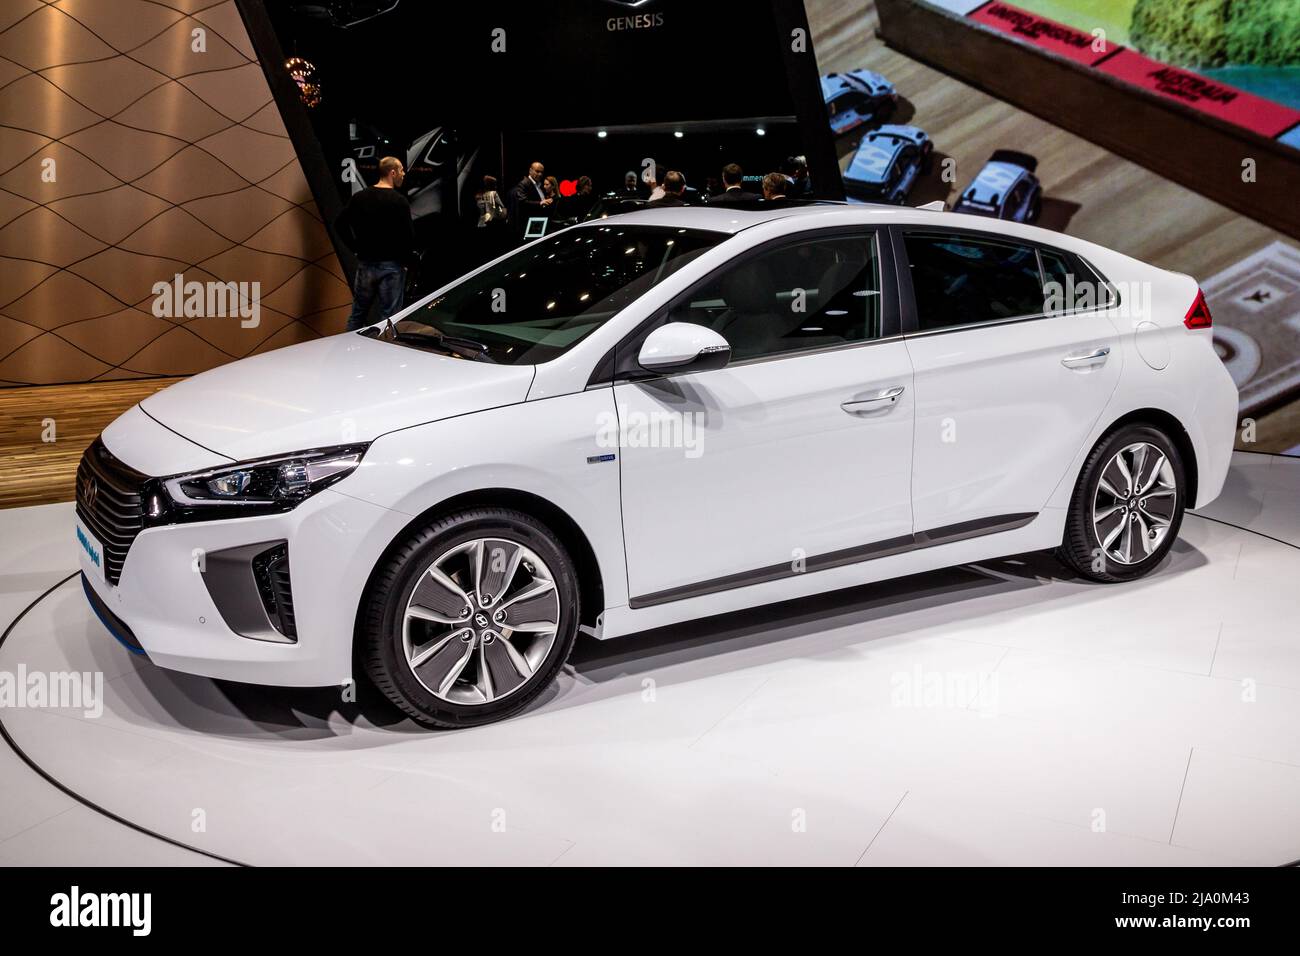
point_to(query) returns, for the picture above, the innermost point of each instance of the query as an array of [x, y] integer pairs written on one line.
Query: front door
[[797, 455]]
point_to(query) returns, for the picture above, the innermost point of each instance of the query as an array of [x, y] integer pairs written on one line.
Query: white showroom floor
[[996, 714]]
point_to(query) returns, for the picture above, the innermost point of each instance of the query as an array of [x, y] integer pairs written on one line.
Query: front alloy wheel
[[481, 620], [470, 618]]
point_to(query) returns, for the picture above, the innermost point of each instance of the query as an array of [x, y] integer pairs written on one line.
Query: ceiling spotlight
[[760, 131], [601, 134], [677, 133]]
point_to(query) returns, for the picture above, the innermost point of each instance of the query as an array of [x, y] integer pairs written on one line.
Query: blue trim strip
[[108, 626]]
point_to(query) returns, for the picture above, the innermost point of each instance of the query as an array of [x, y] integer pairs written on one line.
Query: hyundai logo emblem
[[89, 489], [481, 620]]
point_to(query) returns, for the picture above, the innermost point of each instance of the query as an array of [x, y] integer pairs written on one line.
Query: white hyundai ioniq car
[[648, 419]]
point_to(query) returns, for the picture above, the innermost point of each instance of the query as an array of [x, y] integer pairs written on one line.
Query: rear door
[[1008, 381]]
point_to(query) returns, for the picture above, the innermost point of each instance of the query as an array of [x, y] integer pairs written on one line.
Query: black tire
[[1035, 208], [1081, 549], [383, 610]]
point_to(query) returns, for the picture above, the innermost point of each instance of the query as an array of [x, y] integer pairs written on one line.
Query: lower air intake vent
[[271, 571]]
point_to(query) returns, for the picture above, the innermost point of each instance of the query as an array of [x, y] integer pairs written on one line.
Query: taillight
[[1198, 316]]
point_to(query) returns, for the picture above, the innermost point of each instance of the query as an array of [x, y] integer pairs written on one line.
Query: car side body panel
[[552, 432]]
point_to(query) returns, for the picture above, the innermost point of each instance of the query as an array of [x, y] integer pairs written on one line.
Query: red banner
[[1042, 32], [1209, 96]]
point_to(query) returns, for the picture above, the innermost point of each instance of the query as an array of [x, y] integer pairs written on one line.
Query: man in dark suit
[[796, 170], [775, 186], [527, 199], [732, 177], [674, 186]]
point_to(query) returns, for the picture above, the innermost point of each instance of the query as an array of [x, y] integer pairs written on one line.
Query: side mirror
[[683, 347]]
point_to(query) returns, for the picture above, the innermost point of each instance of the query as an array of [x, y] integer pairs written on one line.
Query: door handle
[[885, 398], [1095, 357]]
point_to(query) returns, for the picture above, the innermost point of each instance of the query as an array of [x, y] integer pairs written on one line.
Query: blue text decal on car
[[90, 548]]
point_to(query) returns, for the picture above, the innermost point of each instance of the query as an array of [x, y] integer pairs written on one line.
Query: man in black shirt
[[376, 225], [528, 200], [674, 188], [733, 177], [796, 168]]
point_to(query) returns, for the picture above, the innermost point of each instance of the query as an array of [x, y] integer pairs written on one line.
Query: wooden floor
[[36, 471]]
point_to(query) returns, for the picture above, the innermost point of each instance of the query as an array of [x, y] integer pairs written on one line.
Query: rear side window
[[1071, 285], [963, 279]]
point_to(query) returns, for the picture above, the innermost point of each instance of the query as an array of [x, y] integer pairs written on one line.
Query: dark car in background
[[887, 164]]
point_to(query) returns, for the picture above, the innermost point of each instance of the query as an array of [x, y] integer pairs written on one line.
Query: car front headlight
[[263, 486]]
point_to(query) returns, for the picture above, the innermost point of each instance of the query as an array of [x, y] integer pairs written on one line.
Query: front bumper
[[163, 601]]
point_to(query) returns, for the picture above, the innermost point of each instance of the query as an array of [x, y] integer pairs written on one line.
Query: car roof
[[993, 181], [712, 218], [877, 151], [828, 215], [874, 158]]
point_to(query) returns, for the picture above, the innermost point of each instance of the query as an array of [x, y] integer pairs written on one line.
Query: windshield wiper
[[465, 348]]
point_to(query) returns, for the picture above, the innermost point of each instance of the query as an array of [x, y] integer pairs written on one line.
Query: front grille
[[109, 503], [271, 571]]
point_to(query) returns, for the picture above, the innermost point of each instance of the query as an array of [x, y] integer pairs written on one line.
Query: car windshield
[[541, 301]]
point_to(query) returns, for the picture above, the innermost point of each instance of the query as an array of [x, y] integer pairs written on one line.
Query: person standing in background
[[492, 237], [655, 181], [491, 210], [796, 168], [580, 203], [551, 190], [527, 199], [376, 225], [775, 186], [733, 178], [674, 189]]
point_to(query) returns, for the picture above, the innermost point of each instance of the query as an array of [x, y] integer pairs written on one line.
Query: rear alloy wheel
[[472, 618], [1127, 507]]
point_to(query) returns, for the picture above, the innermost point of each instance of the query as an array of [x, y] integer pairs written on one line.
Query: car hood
[[332, 391]]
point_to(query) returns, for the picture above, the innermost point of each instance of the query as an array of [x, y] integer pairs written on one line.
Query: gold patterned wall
[[128, 156]]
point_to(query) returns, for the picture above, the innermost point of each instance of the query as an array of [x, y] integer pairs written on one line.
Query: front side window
[[809, 294], [548, 296], [962, 279]]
